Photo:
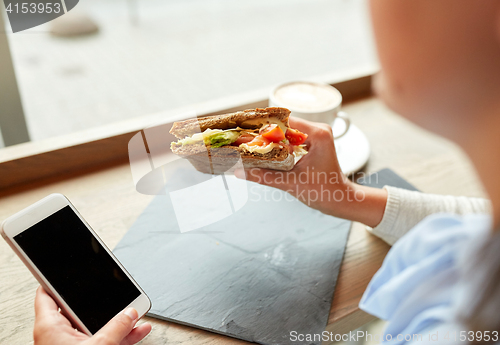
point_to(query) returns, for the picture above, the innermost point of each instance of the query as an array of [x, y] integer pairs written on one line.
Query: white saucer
[[353, 149]]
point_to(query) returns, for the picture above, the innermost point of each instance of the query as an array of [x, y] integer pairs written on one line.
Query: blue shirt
[[420, 288]]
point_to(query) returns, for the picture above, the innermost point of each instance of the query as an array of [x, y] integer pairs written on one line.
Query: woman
[[441, 69]]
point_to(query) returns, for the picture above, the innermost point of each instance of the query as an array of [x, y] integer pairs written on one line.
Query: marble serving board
[[267, 268]]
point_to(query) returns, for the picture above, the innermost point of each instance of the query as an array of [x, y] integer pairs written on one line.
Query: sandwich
[[260, 137]]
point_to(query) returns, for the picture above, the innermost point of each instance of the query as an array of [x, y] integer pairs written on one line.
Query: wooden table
[[108, 200]]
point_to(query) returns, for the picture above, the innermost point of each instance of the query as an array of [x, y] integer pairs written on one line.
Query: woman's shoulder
[[416, 286], [450, 235], [442, 227]]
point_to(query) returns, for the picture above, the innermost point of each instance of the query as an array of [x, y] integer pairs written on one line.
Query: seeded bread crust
[[218, 160], [186, 128]]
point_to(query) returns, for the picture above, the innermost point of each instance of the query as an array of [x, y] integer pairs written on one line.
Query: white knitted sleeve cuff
[[386, 228], [405, 209]]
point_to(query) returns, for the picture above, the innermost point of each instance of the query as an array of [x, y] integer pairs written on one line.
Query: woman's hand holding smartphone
[[52, 328], [84, 286]]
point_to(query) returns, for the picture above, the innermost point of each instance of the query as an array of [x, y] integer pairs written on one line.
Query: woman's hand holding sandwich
[[318, 181]]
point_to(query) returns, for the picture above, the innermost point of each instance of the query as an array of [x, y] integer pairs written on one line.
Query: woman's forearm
[[365, 204]]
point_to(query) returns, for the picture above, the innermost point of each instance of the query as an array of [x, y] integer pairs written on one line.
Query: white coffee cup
[[311, 101]]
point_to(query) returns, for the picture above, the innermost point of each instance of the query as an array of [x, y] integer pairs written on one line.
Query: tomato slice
[[242, 139], [259, 141], [295, 137], [274, 133]]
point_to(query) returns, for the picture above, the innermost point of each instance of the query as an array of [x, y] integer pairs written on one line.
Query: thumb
[[118, 327]]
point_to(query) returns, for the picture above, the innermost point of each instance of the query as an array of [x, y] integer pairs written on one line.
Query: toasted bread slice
[[217, 160], [251, 118]]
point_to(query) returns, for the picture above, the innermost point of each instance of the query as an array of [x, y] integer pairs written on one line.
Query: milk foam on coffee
[[309, 97]]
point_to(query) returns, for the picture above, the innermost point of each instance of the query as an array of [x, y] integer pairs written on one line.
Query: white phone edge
[[35, 213]]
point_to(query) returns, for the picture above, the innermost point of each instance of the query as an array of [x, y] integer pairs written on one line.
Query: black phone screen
[[78, 267]]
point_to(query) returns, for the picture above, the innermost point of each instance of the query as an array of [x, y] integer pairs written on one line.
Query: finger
[[47, 316], [316, 131], [240, 173], [137, 334], [300, 124], [118, 327], [44, 303], [268, 177]]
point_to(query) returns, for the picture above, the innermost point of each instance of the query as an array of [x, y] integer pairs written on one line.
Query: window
[[154, 55]]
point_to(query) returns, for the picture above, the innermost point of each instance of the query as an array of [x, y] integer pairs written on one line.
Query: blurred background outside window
[[147, 56]]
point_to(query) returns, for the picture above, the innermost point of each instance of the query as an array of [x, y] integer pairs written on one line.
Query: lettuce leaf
[[221, 139], [213, 137]]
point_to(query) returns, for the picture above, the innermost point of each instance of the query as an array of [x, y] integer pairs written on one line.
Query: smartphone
[[386, 177], [72, 263]]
